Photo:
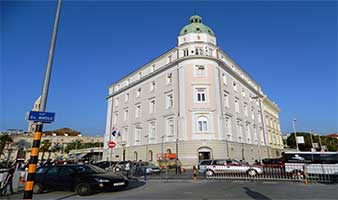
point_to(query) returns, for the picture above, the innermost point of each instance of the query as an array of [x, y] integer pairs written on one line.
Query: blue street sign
[[44, 117]]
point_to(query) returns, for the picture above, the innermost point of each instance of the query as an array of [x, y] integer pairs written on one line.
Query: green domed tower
[[196, 26], [196, 31]]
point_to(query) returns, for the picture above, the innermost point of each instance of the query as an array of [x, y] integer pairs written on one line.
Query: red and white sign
[[111, 144]]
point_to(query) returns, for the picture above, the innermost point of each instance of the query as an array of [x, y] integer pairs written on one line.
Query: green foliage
[[77, 144], [5, 140], [330, 143]]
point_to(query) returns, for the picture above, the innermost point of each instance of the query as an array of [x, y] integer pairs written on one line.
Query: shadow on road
[[255, 195], [132, 185], [66, 197]]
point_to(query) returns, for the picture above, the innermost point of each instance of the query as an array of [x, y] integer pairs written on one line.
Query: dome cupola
[[196, 26]]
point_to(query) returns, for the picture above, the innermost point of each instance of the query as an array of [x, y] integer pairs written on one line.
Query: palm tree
[[45, 147], [5, 140]]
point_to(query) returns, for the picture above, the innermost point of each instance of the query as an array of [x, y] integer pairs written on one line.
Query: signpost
[[44, 117], [300, 140], [111, 144]]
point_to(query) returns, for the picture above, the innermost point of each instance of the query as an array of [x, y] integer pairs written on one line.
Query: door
[[203, 155], [66, 179]]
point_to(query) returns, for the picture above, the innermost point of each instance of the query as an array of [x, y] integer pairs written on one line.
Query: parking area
[[204, 189]]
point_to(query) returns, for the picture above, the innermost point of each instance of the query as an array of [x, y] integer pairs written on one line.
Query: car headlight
[[100, 180]]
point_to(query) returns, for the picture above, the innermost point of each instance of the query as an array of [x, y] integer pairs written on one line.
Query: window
[[228, 126], [170, 127], [152, 68], [243, 92], [235, 86], [254, 133], [237, 105], [152, 129], [169, 58], [138, 111], [185, 52], [211, 52], [152, 106], [53, 171], [252, 112], [201, 94], [137, 135], [225, 78], [124, 135], [202, 124], [248, 133], [139, 75], [116, 101], [135, 155], [152, 86], [200, 70], [115, 117], [126, 97], [169, 78], [126, 115], [170, 101], [246, 113], [239, 130], [226, 99], [150, 154], [138, 92]]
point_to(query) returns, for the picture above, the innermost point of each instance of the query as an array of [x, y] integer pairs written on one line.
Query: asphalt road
[[204, 189]]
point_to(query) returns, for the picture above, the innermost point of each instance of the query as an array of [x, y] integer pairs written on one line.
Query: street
[[204, 189]]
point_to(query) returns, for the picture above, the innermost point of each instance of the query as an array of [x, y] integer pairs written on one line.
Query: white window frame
[[169, 78], [126, 97], [152, 106], [201, 95], [200, 71], [126, 115], [152, 86], [202, 124], [226, 99], [138, 111], [236, 102], [169, 100], [138, 92], [170, 124]]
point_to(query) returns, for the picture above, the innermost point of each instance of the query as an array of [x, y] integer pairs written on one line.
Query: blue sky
[[289, 48]]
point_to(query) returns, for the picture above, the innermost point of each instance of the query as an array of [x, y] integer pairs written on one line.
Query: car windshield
[[89, 169]]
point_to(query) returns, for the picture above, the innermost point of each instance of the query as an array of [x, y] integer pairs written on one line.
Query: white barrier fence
[[326, 173]]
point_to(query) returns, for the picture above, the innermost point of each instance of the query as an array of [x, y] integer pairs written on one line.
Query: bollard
[[194, 173], [306, 181], [145, 174]]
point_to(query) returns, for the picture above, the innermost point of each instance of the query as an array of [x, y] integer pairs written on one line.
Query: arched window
[[150, 154], [135, 155], [202, 124]]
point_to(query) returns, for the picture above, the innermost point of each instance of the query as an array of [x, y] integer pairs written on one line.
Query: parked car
[[82, 178], [106, 164], [230, 166], [203, 165], [139, 168]]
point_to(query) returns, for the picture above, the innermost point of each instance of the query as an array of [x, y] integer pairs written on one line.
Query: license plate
[[118, 184]]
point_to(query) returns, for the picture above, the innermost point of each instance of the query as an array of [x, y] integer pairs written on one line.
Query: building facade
[[195, 101]]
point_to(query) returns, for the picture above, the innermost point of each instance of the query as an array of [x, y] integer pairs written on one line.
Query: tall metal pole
[[28, 190], [294, 130], [311, 140]]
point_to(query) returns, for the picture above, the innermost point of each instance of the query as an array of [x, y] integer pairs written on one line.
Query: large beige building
[[193, 100]]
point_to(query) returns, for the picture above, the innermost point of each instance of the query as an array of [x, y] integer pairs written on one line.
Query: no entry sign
[[111, 144]]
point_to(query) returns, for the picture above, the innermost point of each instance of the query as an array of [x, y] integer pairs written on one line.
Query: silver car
[[231, 166]]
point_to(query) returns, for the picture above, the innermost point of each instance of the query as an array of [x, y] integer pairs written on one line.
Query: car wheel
[[83, 189], [209, 173], [297, 174], [37, 188], [252, 172]]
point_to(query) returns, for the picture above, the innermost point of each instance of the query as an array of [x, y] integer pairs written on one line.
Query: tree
[[45, 147], [5, 140], [330, 143]]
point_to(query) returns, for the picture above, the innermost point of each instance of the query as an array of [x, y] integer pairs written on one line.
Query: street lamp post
[[162, 146], [294, 130], [28, 190]]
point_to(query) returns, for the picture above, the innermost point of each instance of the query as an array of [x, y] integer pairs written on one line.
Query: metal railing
[[318, 173]]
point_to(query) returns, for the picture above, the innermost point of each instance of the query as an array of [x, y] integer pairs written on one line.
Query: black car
[[81, 178]]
